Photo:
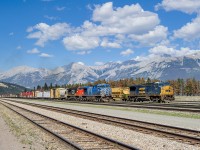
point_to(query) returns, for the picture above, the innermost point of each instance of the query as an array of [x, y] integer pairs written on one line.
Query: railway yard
[[58, 124], [100, 75]]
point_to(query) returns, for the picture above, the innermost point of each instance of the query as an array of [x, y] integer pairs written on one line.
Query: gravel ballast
[[140, 140]]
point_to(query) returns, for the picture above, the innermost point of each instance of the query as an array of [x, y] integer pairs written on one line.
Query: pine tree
[[45, 88], [38, 87], [51, 86]]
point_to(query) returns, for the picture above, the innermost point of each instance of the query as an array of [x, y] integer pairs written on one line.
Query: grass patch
[[13, 127], [16, 126]]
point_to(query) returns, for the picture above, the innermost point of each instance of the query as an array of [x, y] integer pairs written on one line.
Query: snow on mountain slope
[[3, 85], [23, 70], [165, 67], [9, 88]]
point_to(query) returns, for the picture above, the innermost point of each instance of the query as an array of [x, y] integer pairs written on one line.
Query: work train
[[159, 91]]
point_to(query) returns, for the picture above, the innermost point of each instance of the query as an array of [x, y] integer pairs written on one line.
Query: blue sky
[[51, 33]]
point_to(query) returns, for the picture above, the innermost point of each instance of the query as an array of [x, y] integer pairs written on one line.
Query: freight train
[[159, 91]]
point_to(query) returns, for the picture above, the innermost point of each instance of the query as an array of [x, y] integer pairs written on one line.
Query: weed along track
[[77, 137]]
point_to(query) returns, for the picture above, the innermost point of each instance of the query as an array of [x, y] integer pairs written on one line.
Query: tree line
[[189, 87]]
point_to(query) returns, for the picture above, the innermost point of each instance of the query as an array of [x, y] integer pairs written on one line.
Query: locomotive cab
[[167, 93]]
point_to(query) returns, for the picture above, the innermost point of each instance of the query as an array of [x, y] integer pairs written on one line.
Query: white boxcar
[[63, 92], [39, 94], [46, 94]]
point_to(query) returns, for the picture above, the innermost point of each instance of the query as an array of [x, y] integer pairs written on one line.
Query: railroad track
[[132, 105], [174, 133], [76, 137]]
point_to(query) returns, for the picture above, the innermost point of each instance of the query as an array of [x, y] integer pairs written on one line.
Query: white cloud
[[127, 52], [45, 32], [152, 37], [33, 51], [109, 27], [116, 23], [122, 20], [106, 43], [160, 50], [186, 6], [60, 8], [83, 52], [190, 31], [45, 55], [77, 42], [98, 63]]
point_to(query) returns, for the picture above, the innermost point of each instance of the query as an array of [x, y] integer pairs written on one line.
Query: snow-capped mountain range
[[163, 68]]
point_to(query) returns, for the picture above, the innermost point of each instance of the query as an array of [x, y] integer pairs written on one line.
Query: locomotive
[[159, 91], [99, 92]]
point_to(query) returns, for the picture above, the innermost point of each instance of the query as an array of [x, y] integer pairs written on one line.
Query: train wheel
[[158, 100], [135, 99]]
